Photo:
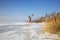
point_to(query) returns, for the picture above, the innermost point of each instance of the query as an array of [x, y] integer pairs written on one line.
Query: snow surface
[[25, 31]]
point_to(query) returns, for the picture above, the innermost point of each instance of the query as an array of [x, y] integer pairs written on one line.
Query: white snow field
[[25, 31]]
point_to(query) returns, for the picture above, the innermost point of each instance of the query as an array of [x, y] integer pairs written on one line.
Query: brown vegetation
[[52, 23]]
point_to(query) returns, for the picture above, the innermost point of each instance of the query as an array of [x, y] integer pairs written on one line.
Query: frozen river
[[24, 31]]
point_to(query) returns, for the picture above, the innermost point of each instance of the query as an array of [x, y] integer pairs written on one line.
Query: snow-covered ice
[[25, 31]]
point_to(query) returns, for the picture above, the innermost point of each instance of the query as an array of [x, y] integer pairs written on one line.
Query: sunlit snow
[[25, 31]]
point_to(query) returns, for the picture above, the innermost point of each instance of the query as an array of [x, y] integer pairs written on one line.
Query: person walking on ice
[[29, 19]]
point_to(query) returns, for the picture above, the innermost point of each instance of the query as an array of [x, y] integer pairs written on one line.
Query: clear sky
[[19, 10]]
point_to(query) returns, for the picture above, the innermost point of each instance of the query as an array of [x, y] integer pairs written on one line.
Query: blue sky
[[19, 10]]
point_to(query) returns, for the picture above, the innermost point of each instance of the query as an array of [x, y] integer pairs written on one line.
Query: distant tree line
[[49, 17]]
